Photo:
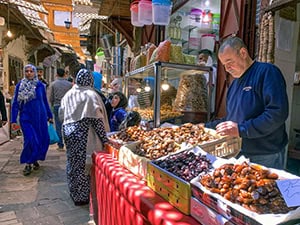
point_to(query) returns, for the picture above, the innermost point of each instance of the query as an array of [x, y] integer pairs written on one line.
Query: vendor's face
[[29, 73], [234, 61], [115, 101], [202, 59]]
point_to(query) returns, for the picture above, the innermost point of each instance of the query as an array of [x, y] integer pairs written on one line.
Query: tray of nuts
[[169, 176], [245, 193]]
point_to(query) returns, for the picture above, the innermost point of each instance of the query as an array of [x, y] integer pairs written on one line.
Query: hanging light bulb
[[138, 90], [147, 86], [9, 33], [165, 85], [207, 3]]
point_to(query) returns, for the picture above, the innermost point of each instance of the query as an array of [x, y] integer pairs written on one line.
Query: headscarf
[[123, 103], [27, 87], [84, 78], [81, 101]]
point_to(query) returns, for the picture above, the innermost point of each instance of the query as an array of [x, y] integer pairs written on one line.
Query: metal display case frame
[[171, 69]]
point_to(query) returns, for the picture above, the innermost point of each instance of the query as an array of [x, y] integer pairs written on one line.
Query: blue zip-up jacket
[[258, 102], [116, 118]]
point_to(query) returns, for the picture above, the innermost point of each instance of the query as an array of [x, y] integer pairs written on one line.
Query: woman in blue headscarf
[[84, 130], [31, 105]]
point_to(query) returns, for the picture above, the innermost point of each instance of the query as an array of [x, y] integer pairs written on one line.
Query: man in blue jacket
[[256, 105]]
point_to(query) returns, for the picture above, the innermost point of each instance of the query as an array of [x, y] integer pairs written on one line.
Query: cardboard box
[[133, 162], [237, 213], [205, 215], [172, 188], [114, 152]]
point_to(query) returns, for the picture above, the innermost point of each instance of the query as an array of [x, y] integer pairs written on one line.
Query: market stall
[[188, 177], [120, 198]]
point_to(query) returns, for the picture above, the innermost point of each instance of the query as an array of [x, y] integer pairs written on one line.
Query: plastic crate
[[225, 147]]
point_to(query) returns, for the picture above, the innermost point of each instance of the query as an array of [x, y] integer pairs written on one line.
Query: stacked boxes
[[172, 188]]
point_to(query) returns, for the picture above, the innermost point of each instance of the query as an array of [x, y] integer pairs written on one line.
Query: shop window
[[60, 17]]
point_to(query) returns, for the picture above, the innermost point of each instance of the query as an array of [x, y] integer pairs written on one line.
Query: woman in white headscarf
[[31, 105], [84, 130]]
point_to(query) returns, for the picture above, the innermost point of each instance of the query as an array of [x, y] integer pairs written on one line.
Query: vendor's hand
[[4, 123], [50, 120], [228, 128]]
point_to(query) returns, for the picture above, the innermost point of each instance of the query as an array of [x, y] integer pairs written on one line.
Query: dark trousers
[[58, 125]]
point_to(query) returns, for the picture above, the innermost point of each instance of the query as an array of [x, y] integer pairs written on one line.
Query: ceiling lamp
[[9, 33], [165, 85], [147, 86], [195, 14]]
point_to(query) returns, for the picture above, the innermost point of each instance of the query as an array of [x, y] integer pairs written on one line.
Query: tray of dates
[[245, 193], [125, 136], [170, 176]]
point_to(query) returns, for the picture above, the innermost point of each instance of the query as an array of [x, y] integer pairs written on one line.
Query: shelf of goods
[[187, 99]]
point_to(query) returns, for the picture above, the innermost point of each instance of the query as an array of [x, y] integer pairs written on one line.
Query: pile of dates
[[248, 185], [129, 134], [186, 165]]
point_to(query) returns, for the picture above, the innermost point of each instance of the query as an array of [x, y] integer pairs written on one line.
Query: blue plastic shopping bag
[[52, 134]]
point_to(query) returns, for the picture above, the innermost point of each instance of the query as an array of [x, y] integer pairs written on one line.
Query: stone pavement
[[40, 198]]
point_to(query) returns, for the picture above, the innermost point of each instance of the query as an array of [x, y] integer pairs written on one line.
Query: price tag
[[290, 190]]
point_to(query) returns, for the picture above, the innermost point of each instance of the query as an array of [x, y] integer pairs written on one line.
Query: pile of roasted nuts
[[248, 185], [164, 140], [186, 165]]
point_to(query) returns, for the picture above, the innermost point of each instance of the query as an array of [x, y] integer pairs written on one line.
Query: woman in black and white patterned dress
[[84, 130]]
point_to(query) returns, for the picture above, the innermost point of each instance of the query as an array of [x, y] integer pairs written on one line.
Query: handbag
[[52, 134]]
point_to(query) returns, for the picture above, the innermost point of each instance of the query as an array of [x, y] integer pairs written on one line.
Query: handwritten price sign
[[290, 190]]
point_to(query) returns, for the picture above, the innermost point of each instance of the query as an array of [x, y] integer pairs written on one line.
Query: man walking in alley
[[57, 90], [40, 73]]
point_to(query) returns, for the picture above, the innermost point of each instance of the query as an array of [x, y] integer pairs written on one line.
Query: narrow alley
[[40, 198]]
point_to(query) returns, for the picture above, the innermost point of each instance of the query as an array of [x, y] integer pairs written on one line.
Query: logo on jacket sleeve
[[247, 88]]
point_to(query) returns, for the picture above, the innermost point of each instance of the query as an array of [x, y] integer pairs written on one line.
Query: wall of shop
[[287, 53], [15, 48]]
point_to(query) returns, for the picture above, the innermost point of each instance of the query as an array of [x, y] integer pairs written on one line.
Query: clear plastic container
[[208, 41], [145, 12], [134, 14], [161, 11]]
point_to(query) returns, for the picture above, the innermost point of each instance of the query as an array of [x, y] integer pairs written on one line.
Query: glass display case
[[169, 92]]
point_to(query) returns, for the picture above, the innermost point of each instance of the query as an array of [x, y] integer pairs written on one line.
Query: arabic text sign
[[290, 190]]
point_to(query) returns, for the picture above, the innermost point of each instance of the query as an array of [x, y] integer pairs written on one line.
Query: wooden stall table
[[120, 198]]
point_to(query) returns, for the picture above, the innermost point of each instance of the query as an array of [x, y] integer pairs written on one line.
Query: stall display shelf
[[172, 72]]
